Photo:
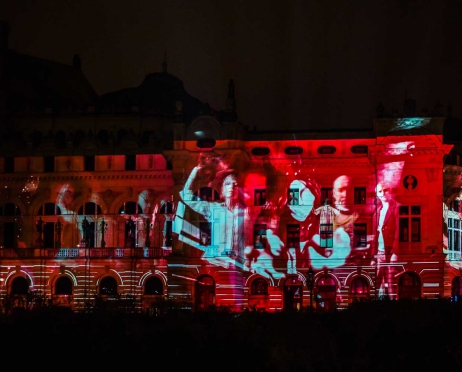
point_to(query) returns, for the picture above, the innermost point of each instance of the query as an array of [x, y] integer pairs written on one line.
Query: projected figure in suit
[[386, 241]]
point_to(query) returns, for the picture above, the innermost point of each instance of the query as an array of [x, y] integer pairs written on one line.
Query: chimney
[[76, 62]]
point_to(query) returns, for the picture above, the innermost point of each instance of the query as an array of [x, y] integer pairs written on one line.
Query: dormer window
[[293, 150], [206, 143], [326, 150], [260, 151], [360, 149]]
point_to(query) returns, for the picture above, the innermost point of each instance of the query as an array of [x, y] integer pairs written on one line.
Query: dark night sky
[[309, 64]]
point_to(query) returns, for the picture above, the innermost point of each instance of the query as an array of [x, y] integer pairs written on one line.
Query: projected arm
[[188, 197]]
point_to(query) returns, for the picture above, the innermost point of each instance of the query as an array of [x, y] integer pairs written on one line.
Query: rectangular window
[[360, 235], [168, 233], [360, 195], [260, 196], [89, 163], [49, 164], [454, 238], [130, 162], [9, 164], [259, 236], [326, 194], [409, 223], [293, 236], [327, 235], [293, 196], [205, 230]]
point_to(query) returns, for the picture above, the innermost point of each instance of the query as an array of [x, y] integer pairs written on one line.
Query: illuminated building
[[148, 194]]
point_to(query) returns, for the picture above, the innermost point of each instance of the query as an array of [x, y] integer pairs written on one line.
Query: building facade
[[147, 198]]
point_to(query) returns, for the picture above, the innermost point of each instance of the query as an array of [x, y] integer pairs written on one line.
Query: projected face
[[383, 192], [229, 189], [342, 192], [306, 199]]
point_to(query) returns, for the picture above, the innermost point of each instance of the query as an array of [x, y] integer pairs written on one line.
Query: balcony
[[78, 253]]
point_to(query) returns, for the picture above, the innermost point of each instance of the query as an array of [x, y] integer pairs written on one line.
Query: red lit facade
[[231, 226], [140, 202]]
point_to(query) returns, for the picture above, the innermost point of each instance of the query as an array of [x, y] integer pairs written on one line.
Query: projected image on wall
[[280, 220]]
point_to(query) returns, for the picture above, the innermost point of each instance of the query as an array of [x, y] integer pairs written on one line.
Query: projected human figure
[[230, 211], [386, 241], [301, 210], [343, 201], [295, 209]]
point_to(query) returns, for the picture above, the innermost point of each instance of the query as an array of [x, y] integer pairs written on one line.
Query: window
[[20, 286], [260, 197], [409, 223], [89, 163], [10, 226], [293, 197], [409, 286], [153, 286], [9, 164], [293, 236], [360, 195], [260, 151], [49, 209], [293, 150], [327, 235], [130, 162], [49, 164], [325, 150], [454, 238], [130, 207], [90, 208], [63, 286], [326, 194], [359, 286], [206, 193], [205, 229], [455, 205], [167, 207], [359, 149], [108, 286], [9, 209], [259, 236], [206, 143], [360, 235], [259, 287]]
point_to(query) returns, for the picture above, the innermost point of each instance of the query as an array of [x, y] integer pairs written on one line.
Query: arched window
[[166, 207], [9, 209], [456, 289], [108, 286], [49, 209], [259, 287], [11, 225], [20, 286], [103, 137], [204, 292], [60, 140], [327, 294], [130, 207], [207, 193], [63, 286], [78, 138], [90, 208], [409, 286], [359, 289], [153, 286]]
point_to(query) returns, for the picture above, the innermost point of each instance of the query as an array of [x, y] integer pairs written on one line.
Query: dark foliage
[[369, 336]]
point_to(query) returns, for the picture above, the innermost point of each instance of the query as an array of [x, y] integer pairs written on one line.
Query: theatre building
[[147, 198]]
